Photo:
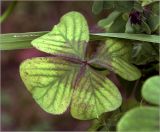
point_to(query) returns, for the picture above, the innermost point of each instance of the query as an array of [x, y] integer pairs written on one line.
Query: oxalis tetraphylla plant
[[71, 76]]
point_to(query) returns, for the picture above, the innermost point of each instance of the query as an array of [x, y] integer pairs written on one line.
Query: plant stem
[[134, 89], [141, 102], [14, 41], [8, 12]]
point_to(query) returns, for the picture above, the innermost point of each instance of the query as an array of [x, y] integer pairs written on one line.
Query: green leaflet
[[144, 53], [108, 4], [140, 119], [124, 6], [147, 2], [115, 56], [118, 25], [145, 27], [107, 22], [112, 22], [155, 7], [94, 95], [138, 7], [147, 118], [151, 90], [50, 81], [153, 22], [129, 28], [69, 37], [97, 7]]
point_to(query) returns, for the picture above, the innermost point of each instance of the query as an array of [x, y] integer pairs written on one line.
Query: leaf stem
[[14, 41], [139, 37], [8, 12], [134, 89]]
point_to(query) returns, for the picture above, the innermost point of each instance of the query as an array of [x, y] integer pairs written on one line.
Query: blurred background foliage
[[19, 111]]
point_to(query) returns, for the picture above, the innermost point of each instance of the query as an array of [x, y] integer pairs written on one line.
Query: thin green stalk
[[134, 89], [139, 37], [8, 12], [14, 41]]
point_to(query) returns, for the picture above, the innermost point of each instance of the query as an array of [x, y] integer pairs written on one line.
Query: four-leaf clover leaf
[[69, 77]]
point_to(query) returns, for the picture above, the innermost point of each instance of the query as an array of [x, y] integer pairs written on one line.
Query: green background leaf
[[97, 7], [151, 90], [108, 4], [153, 21], [144, 53], [155, 7], [129, 28], [147, 2], [118, 25], [124, 6], [140, 119], [145, 27], [137, 6], [107, 22]]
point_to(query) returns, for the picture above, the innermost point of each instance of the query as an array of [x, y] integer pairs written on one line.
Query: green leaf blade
[[129, 28], [151, 90], [97, 7], [124, 6], [153, 22], [146, 27], [50, 81], [144, 53], [94, 95], [106, 22], [108, 4], [69, 37], [139, 37], [140, 119], [118, 25], [12, 41]]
